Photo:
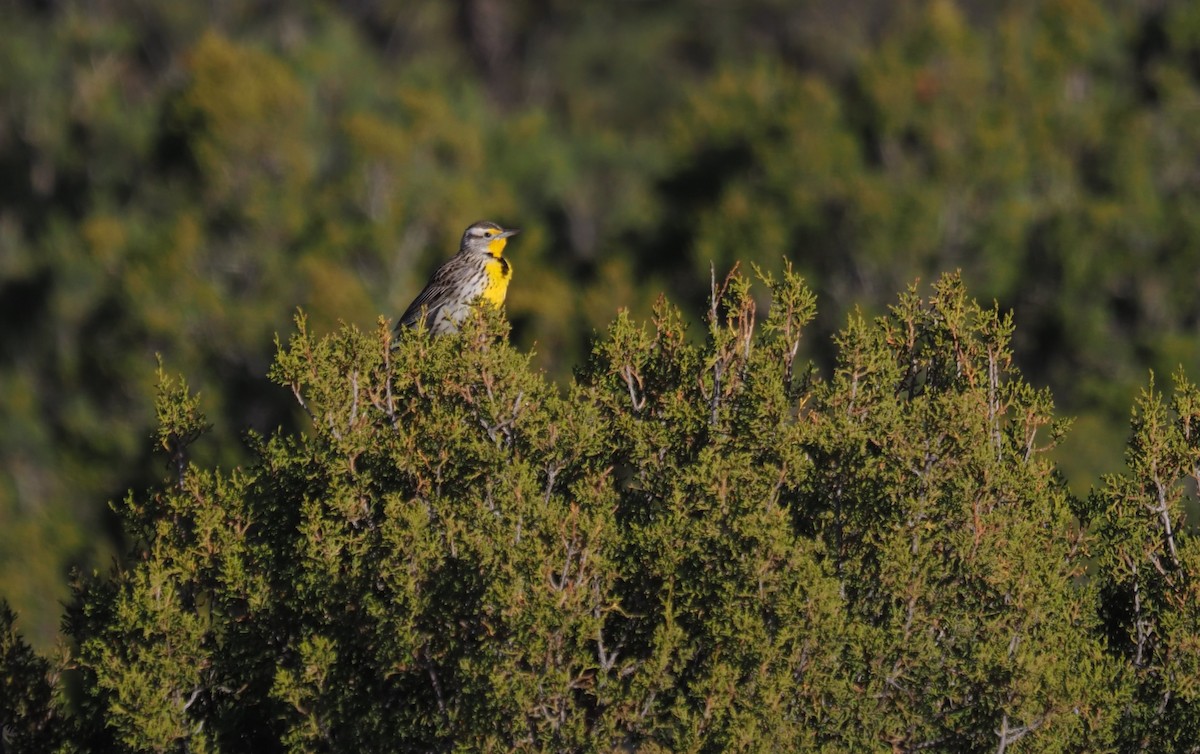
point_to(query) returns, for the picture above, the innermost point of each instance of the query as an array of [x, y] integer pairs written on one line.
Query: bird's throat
[[499, 273]]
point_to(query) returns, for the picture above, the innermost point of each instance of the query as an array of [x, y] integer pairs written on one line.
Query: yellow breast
[[499, 272]]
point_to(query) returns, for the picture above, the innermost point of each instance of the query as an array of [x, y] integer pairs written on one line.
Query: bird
[[478, 270]]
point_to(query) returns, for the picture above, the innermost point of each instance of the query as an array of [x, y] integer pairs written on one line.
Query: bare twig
[[628, 373]]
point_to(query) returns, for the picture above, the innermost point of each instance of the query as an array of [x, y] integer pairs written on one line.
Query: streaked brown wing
[[437, 291]]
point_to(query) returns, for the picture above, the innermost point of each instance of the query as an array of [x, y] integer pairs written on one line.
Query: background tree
[[179, 179]]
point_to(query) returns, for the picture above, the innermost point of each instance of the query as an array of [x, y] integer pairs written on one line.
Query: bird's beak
[[509, 232]]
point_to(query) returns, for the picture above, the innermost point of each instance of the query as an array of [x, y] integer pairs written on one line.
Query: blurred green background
[[178, 178]]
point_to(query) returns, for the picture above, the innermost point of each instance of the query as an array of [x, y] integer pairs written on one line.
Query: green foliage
[[30, 720], [952, 536], [700, 545], [180, 420], [1147, 563]]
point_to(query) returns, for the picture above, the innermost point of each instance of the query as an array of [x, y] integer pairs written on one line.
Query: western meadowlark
[[478, 270]]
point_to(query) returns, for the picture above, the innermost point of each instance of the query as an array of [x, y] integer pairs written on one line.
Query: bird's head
[[488, 237]]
